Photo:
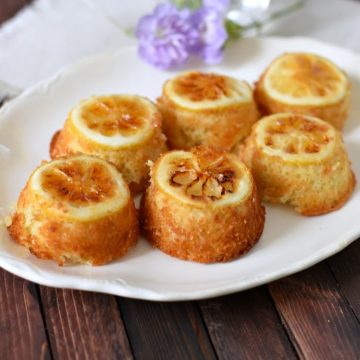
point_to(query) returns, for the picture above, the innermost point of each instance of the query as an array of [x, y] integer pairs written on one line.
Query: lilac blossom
[[209, 22], [220, 5], [166, 36]]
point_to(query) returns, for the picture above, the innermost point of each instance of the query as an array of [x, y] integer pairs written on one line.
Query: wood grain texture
[[84, 325], [346, 268], [165, 330], [22, 332], [246, 326], [316, 315], [8, 8]]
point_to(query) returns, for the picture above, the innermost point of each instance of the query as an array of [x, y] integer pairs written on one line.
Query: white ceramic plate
[[289, 243]]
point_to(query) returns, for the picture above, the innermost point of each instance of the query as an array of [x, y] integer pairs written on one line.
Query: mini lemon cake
[[122, 129], [206, 109], [202, 205], [305, 84], [301, 161], [76, 210]]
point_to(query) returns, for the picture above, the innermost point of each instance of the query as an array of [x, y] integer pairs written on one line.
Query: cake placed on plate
[[202, 205], [305, 84], [76, 210], [122, 129], [301, 161], [206, 109]]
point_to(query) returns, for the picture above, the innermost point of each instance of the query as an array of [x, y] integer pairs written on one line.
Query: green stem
[[235, 30]]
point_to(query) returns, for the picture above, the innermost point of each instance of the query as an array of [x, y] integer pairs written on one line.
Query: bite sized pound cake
[[76, 210], [301, 161], [206, 109], [202, 205], [122, 129], [305, 84]]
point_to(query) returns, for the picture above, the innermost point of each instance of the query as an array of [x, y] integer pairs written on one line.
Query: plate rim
[[122, 288]]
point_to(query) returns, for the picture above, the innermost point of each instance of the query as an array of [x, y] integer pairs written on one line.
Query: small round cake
[[301, 161], [122, 129], [306, 84], [206, 109], [76, 210], [202, 205]]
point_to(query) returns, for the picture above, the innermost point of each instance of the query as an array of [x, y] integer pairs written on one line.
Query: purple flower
[[166, 36], [209, 22], [219, 5]]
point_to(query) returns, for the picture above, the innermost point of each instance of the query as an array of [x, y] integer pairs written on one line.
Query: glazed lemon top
[[114, 120], [296, 138], [82, 187], [197, 90], [202, 180], [305, 79]]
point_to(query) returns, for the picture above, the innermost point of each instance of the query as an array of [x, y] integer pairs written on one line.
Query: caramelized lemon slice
[[305, 79], [202, 177], [85, 186], [196, 90], [202, 205], [76, 210], [114, 120], [295, 138]]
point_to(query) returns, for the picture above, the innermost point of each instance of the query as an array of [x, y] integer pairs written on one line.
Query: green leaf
[[189, 4]]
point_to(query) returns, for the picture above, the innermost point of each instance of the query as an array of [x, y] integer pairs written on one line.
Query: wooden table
[[314, 314]]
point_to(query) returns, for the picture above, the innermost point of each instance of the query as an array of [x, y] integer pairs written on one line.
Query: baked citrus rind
[[122, 129], [301, 161], [202, 205], [76, 210], [206, 109], [306, 84]]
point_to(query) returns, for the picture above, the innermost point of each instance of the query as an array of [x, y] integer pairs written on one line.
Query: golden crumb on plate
[[301, 161], [122, 129], [306, 84], [76, 210], [206, 109], [202, 205]]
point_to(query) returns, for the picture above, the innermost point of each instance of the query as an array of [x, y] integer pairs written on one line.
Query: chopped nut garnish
[[184, 178], [196, 189], [212, 188], [211, 180]]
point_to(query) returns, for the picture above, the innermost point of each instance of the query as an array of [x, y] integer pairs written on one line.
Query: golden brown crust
[[49, 235], [335, 113], [206, 234], [221, 127], [130, 160], [312, 189]]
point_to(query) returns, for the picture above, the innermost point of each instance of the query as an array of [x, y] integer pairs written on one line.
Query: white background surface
[[52, 33], [290, 242]]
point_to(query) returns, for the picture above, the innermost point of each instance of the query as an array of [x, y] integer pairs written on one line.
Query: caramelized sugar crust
[[198, 86]]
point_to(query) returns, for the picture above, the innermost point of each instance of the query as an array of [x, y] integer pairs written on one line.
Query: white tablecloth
[[49, 34]]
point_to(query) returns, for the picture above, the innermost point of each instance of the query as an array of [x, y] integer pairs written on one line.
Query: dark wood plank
[[165, 330], [316, 315], [22, 332], [84, 325], [346, 268], [246, 326], [8, 8]]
